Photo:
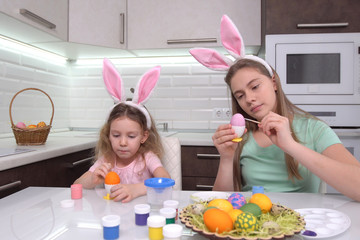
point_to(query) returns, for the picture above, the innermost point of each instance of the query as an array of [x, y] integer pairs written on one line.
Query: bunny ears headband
[[144, 88], [234, 44]]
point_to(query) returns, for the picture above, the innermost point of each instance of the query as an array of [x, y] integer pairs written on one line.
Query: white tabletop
[[36, 213]]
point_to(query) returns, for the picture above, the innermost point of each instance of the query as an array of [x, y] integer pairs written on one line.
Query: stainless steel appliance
[[320, 73]]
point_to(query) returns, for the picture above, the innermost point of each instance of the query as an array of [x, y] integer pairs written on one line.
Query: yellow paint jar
[[155, 224]]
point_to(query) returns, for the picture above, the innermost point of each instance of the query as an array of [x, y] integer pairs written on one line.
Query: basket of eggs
[[31, 134]]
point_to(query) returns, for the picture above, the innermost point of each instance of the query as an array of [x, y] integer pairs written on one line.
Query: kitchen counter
[[57, 144], [61, 142]]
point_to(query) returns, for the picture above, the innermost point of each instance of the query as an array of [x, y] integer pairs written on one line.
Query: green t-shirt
[[266, 166]]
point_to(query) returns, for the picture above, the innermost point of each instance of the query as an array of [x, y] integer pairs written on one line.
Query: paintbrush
[[250, 120]]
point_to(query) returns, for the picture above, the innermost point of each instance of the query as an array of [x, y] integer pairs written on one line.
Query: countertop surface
[[36, 213], [61, 142]]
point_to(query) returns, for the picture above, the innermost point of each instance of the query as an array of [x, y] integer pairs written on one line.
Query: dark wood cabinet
[[308, 16], [59, 171], [199, 166]]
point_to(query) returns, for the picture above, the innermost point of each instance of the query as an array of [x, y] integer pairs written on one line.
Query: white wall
[[185, 96], [19, 71]]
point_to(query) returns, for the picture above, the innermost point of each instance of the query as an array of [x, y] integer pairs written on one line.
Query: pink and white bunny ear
[[146, 85], [113, 81], [231, 38], [211, 59]]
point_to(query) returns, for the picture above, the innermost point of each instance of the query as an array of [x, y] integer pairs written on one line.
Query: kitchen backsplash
[[185, 97]]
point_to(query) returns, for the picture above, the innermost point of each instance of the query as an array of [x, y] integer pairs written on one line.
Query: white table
[[36, 213]]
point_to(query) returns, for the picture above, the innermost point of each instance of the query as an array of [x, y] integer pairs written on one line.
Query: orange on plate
[[222, 204], [112, 178], [262, 201], [217, 220]]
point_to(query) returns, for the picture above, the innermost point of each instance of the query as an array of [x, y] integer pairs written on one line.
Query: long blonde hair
[[284, 108], [153, 143]]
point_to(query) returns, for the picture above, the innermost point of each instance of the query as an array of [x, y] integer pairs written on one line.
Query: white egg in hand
[[238, 124]]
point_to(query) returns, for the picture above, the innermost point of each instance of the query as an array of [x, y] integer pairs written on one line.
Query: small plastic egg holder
[[158, 191]]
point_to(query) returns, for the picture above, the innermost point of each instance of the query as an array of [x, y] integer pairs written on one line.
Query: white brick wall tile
[[208, 91], [19, 72], [191, 81], [191, 103], [157, 103], [167, 92], [9, 56], [200, 114], [171, 114], [191, 125], [31, 62], [218, 80]]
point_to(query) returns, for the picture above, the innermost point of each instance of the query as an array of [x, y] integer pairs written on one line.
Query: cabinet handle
[[74, 164], [321, 25], [10, 185], [204, 186], [122, 26], [198, 40], [206, 155], [36, 18]]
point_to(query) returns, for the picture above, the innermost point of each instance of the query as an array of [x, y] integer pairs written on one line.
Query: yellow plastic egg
[[41, 124]]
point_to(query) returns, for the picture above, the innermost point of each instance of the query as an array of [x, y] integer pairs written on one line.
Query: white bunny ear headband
[[234, 44], [143, 90]]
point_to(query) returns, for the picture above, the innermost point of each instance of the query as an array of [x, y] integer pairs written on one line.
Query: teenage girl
[[289, 150]]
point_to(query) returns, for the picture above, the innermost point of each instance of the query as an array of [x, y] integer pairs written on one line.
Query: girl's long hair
[[284, 108], [153, 143]]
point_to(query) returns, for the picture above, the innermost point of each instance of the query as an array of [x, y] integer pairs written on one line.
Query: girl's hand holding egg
[[111, 179], [238, 124]]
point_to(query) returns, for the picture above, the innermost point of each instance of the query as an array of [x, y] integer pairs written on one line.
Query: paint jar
[[111, 227], [257, 189], [169, 214], [158, 191], [172, 204], [156, 224], [142, 212], [172, 232], [76, 191]]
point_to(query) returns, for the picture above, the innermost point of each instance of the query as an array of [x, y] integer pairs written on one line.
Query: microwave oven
[[320, 73]]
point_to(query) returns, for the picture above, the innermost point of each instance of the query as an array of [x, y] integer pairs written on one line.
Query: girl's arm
[[161, 172], [335, 165], [226, 148], [92, 179], [128, 192]]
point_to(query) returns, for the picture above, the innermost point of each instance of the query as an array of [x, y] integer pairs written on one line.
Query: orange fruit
[[217, 220], [262, 201], [234, 213], [221, 204], [112, 178]]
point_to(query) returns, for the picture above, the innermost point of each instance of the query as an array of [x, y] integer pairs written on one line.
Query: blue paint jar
[[142, 212], [257, 189], [111, 227]]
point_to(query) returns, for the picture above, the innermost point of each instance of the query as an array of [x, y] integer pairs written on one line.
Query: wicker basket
[[31, 136]]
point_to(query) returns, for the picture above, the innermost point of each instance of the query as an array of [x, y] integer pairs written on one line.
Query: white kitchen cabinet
[[50, 16], [100, 23], [187, 23]]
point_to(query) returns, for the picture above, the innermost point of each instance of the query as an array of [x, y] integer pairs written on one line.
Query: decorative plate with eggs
[[236, 218]]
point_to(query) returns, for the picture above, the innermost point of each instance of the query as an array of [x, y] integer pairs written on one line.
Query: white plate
[[325, 222], [208, 195]]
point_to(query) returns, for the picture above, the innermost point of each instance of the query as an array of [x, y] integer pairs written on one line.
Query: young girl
[[289, 150], [129, 143]]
